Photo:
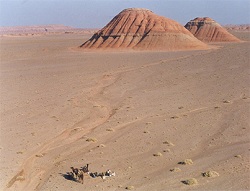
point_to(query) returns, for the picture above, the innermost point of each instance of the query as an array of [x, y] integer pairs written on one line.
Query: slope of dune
[[141, 29], [208, 30]]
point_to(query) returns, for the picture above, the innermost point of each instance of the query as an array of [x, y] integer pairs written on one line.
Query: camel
[[78, 174], [85, 169], [81, 176], [75, 172]]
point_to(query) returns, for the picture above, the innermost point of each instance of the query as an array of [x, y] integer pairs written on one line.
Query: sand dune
[[146, 112]]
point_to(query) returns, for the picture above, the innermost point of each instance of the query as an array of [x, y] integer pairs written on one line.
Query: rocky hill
[[141, 29]]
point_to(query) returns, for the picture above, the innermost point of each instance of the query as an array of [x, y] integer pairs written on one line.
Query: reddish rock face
[[207, 30], [142, 29]]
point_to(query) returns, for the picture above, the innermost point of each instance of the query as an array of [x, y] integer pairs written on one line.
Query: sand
[[54, 99]]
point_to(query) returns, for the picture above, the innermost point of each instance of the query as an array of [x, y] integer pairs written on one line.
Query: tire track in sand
[[30, 179]]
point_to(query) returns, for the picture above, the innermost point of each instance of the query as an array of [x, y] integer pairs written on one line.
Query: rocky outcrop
[[141, 29], [207, 30]]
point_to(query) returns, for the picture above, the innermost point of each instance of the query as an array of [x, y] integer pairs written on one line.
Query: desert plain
[[138, 113]]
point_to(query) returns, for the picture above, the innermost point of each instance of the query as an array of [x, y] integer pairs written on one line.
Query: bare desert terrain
[[140, 114]]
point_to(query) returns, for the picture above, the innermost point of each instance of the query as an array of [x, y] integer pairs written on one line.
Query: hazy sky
[[96, 13]]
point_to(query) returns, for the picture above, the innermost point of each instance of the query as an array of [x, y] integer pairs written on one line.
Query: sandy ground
[[131, 104]]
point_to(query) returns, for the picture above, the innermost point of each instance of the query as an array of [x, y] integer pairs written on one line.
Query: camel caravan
[[77, 174]]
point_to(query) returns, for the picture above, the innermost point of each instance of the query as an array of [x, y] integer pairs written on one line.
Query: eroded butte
[[208, 30], [141, 29]]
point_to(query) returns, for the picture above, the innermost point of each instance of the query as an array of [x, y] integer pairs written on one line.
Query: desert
[[161, 120]]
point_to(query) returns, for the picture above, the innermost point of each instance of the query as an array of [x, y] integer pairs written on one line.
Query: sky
[[97, 13]]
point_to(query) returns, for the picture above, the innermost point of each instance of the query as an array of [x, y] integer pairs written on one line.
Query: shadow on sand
[[67, 176]]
